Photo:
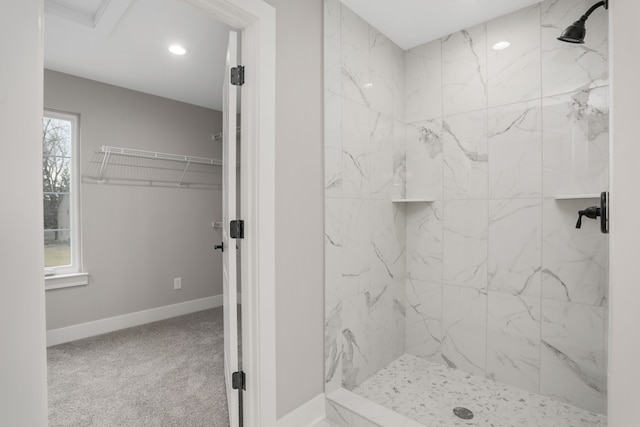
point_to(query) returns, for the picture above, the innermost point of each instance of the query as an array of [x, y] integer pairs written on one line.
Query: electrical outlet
[[177, 283]]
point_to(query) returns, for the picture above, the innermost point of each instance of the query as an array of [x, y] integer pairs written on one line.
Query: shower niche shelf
[[413, 200], [577, 196]]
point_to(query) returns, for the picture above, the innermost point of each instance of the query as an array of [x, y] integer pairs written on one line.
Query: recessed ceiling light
[[177, 49], [368, 85], [501, 45]]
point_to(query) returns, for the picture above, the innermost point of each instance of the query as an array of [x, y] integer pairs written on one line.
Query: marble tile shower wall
[[492, 277], [499, 281], [364, 232]]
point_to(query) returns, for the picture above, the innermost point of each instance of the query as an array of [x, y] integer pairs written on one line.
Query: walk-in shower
[[458, 289]]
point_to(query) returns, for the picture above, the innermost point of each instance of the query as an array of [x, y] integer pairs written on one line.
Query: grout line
[[442, 204], [541, 214]]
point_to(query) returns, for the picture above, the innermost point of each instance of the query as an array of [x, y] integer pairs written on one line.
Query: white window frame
[[70, 275]]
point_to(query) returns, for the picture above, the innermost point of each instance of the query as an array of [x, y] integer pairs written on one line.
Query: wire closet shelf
[[128, 166]]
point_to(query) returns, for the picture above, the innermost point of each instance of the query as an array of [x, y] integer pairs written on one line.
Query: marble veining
[[427, 392], [465, 243], [513, 340], [348, 409], [399, 188], [382, 153], [424, 319], [514, 73], [576, 143], [333, 168], [388, 244], [333, 353], [332, 48], [381, 72], [515, 149], [515, 246], [356, 150], [574, 261], [355, 54], [572, 362], [424, 229], [465, 155], [423, 82], [424, 151], [464, 329], [464, 70]]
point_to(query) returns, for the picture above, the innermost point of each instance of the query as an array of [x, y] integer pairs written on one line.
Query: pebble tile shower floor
[[428, 392]]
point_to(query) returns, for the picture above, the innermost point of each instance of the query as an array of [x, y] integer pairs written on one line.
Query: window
[[60, 192]]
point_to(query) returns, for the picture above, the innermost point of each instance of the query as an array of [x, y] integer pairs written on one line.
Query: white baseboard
[[102, 326], [306, 415]]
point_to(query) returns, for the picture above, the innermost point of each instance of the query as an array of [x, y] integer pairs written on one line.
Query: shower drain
[[463, 413]]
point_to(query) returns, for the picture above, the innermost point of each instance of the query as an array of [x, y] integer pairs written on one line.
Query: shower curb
[[348, 409]]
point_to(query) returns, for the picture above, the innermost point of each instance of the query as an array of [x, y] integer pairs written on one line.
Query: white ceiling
[[409, 23], [124, 43]]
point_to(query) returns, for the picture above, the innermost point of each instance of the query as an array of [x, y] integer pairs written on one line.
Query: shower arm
[[588, 13]]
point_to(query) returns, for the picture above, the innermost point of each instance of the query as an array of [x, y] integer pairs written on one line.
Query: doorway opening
[[97, 199]]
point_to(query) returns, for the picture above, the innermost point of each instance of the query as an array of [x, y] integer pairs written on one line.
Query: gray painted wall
[[135, 239], [299, 202]]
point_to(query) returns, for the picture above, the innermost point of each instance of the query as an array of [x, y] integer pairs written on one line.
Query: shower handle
[[591, 212], [594, 212]]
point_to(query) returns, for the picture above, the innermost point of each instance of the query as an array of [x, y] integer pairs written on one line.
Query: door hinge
[[237, 75], [238, 381], [236, 230]]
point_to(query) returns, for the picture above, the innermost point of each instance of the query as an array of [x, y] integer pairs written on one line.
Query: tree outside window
[[57, 178]]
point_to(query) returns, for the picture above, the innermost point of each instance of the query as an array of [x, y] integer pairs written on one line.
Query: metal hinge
[[238, 381], [237, 75], [236, 229]]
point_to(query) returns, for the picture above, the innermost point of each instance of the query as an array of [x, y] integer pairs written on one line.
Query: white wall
[[23, 376], [136, 239], [299, 205], [624, 346]]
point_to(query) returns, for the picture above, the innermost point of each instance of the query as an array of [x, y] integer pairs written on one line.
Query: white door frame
[[229, 213], [256, 19]]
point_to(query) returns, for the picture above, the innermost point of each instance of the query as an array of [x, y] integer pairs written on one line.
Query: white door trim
[[229, 213], [257, 21]]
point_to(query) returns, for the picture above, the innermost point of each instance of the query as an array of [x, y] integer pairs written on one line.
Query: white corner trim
[[308, 414], [65, 281], [110, 324]]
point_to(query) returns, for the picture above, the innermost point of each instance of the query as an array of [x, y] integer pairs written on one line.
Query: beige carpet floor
[[167, 373]]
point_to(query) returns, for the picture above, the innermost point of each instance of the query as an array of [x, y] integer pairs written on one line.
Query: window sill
[[66, 281]]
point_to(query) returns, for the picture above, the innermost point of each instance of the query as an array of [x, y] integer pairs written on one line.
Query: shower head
[[575, 32]]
